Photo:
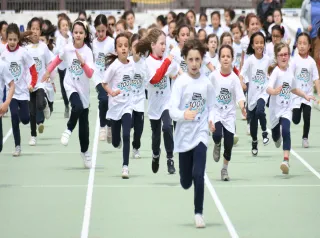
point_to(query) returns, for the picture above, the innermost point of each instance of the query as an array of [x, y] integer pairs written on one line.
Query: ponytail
[[143, 47]]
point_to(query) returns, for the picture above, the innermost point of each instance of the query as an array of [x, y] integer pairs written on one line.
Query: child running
[[192, 107], [281, 84], [228, 93], [255, 69], [306, 73], [79, 60]]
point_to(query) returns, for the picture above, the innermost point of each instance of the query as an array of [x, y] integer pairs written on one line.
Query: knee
[[41, 105], [286, 132], [77, 108], [186, 183], [126, 136], [25, 119], [167, 127], [295, 120]]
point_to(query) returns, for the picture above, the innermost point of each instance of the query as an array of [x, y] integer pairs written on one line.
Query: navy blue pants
[[62, 74], [228, 139], [37, 103], [103, 105], [167, 129], [19, 112], [125, 123], [137, 125], [78, 113], [285, 124], [192, 166], [305, 110], [4, 93], [258, 113]]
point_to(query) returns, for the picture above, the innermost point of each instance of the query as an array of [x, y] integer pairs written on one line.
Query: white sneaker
[[46, 111], [65, 137], [305, 143], [33, 141], [102, 134], [125, 172], [135, 154], [285, 167], [86, 157], [199, 221], [248, 129], [109, 135], [40, 128], [17, 151]]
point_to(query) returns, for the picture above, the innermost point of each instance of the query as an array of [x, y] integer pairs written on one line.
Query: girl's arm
[[211, 110], [5, 105], [302, 94], [274, 91], [162, 70], [34, 77], [242, 59], [317, 84], [86, 68], [54, 63]]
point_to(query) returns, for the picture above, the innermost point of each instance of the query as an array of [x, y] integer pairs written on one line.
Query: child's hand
[[80, 58], [115, 93], [308, 98], [244, 112], [3, 108], [244, 86], [212, 127], [309, 28], [189, 114], [45, 77], [54, 88], [30, 88], [278, 90]]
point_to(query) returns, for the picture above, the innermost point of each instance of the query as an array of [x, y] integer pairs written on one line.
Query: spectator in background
[[229, 15], [112, 24], [265, 10], [129, 17], [162, 24], [310, 21]]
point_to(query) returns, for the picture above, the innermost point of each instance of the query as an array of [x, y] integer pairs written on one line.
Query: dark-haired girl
[[306, 74], [277, 34], [255, 70], [278, 20], [117, 83], [79, 60], [192, 105], [19, 62], [129, 17], [102, 46], [228, 93]]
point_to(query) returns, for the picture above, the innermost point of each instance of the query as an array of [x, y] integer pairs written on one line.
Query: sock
[[225, 166], [286, 159]]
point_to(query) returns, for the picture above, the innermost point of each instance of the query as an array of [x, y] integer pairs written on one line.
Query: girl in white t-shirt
[[237, 34], [21, 65], [282, 84], [101, 47], [79, 61], [255, 70], [117, 83], [306, 74], [5, 79], [42, 57], [278, 20], [216, 24], [211, 56], [158, 72], [277, 33], [192, 105], [228, 93]]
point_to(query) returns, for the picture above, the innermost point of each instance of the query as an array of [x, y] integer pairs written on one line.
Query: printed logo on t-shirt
[[237, 60], [285, 94], [259, 78], [136, 83], [76, 69], [15, 70], [197, 103], [183, 66], [224, 97], [38, 64], [304, 75], [101, 61], [161, 85], [125, 85]]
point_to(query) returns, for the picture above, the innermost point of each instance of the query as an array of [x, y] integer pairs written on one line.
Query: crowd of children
[[193, 76]]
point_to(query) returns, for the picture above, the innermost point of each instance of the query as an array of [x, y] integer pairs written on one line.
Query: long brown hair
[[144, 45]]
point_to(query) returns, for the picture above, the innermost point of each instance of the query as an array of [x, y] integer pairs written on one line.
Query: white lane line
[[87, 207], [223, 213], [5, 138]]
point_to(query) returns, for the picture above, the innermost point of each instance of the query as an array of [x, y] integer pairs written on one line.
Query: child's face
[[122, 48], [243, 29], [213, 44], [215, 20], [35, 28], [191, 18], [202, 36], [78, 34], [303, 45], [283, 57], [172, 26], [159, 47], [276, 37], [12, 40], [119, 29], [226, 59], [4, 32], [236, 34], [227, 18], [227, 40], [258, 45], [111, 24], [64, 27], [133, 49], [194, 61], [169, 18], [254, 25], [183, 36], [101, 31], [203, 21], [130, 20], [277, 17]]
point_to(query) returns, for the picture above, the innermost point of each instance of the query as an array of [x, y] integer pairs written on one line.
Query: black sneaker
[[254, 150], [265, 137], [170, 164], [155, 163]]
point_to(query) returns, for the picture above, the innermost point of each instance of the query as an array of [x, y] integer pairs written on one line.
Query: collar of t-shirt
[[155, 57], [17, 47], [224, 75]]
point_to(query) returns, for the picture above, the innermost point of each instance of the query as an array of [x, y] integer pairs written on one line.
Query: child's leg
[[156, 136], [276, 133], [217, 135], [84, 130], [33, 113], [285, 124], [103, 104], [253, 124], [228, 145], [261, 115], [199, 165], [306, 119], [185, 168], [126, 126], [116, 129], [296, 115], [76, 110], [138, 123], [40, 117], [167, 133], [14, 109], [62, 74], [1, 135]]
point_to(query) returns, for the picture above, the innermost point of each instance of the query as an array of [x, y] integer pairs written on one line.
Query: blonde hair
[[277, 48]]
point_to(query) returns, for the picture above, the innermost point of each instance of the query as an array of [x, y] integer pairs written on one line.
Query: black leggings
[[62, 74], [228, 139], [296, 117]]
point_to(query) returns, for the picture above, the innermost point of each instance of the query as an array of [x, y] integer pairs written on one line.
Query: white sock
[[225, 166]]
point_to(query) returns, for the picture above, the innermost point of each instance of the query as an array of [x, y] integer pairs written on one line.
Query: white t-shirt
[[5, 78], [228, 92], [305, 72], [208, 59], [134, 30], [119, 76], [19, 63], [159, 94], [61, 42], [198, 94], [270, 50], [208, 29], [218, 31], [280, 105], [244, 45], [138, 84], [170, 42], [42, 56], [237, 55], [76, 80], [256, 70], [100, 51]]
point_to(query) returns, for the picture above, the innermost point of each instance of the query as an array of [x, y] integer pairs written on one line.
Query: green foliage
[[293, 4]]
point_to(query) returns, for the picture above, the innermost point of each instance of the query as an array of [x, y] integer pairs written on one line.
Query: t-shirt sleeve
[[273, 78], [48, 56], [6, 75], [175, 113], [89, 58], [211, 100], [245, 68], [315, 72], [238, 90], [109, 74], [27, 58]]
